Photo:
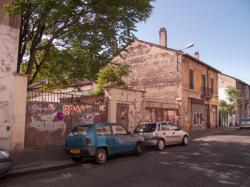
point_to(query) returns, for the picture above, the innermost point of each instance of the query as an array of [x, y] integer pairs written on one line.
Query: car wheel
[[185, 140], [160, 144], [101, 156], [77, 159], [138, 148]]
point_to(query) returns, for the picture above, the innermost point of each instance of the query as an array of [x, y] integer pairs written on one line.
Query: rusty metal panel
[[122, 114], [51, 116]]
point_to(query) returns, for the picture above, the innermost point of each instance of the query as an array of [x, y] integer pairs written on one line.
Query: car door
[[122, 139], [175, 133], [105, 138], [166, 132]]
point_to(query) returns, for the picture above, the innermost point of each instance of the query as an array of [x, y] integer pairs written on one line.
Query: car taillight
[[88, 141]]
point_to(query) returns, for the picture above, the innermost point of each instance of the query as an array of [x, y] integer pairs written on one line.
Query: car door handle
[[164, 133], [173, 132]]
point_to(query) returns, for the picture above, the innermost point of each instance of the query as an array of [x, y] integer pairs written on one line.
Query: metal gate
[[51, 116], [122, 114]]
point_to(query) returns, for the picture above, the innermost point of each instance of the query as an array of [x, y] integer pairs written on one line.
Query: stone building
[[243, 105], [179, 87], [12, 85]]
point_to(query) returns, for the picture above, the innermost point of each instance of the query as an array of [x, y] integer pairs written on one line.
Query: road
[[216, 160]]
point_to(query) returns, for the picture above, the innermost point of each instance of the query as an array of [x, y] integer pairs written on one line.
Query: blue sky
[[220, 30]]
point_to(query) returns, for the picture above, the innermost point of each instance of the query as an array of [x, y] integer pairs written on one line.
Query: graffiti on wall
[[48, 123]]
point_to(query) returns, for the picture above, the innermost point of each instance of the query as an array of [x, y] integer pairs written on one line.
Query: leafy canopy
[[229, 106], [73, 39], [111, 74]]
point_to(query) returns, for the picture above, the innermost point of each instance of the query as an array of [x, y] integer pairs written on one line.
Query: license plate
[[75, 151]]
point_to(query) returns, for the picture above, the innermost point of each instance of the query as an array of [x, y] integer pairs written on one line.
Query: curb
[[39, 167]]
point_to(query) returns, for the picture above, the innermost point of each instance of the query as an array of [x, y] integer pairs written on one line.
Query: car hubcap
[[101, 156], [138, 149], [186, 140], [161, 144]]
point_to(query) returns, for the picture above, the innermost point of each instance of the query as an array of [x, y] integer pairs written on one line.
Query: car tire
[[138, 148], [76, 159], [101, 156], [185, 140], [160, 145]]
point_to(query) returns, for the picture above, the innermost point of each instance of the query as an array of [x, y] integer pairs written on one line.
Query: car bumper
[[80, 151], [5, 166], [151, 142]]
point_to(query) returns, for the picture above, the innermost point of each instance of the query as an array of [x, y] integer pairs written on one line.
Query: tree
[[111, 74], [57, 38], [228, 106]]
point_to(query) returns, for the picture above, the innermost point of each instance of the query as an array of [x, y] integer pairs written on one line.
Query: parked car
[[245, 123], [160, 134], [101, 140], [5, 162]]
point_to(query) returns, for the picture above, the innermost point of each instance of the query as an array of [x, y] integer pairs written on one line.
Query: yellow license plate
[[75, 151]]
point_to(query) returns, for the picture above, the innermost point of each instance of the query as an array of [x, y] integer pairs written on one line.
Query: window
[[119, 130], [212, 86], [148, 127], [191, 79], [103, 130], [164, 127], [203, 86], [80, 130]]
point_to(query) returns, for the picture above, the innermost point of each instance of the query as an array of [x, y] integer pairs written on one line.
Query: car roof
[[94, 124], [156, 122]]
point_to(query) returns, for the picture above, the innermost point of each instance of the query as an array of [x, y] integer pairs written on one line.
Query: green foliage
[[71, 39], [111, 74], [229, 106]]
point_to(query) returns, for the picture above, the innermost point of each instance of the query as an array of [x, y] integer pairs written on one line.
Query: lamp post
[[179, 99]]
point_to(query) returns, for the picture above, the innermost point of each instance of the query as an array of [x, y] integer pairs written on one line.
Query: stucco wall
[[9, 37], [133, 98]]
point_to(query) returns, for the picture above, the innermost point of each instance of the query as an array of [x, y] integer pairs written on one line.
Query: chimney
[[163, 37], [197, 55]]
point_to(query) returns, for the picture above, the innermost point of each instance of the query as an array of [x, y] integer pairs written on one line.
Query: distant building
[[243, 105], [179, 87]]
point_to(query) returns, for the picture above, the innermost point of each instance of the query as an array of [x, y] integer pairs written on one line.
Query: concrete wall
[[12, 86], [133, 98], [225, 82]]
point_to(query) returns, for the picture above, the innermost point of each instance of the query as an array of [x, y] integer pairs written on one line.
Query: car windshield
[[80, 130], [149, 127]]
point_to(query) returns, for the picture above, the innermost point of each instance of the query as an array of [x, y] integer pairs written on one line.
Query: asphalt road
[[216, 160]]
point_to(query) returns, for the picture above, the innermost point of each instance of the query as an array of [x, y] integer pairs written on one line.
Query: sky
[[220, 30]]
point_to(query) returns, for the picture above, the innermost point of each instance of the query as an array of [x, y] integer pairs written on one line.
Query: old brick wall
[[188, 117], [153, 69]]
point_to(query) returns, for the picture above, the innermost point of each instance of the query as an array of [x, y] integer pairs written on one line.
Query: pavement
[[53, 158]]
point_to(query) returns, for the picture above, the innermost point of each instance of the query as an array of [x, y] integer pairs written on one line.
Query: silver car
[[161, 134], [245, 123]]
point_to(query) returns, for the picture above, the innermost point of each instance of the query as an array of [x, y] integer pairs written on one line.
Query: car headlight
[[4, 154]]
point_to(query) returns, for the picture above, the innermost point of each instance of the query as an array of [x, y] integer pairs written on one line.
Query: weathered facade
[[12, 85], [165, 75], [243, 105]]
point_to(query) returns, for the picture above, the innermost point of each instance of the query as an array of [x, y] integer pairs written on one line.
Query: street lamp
[[178, 99]]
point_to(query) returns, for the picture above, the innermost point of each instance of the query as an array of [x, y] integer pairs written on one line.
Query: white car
[[161, 134], [245, 123]]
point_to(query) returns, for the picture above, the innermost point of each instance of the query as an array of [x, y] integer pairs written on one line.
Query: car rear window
[[80, 130], [149, 127]]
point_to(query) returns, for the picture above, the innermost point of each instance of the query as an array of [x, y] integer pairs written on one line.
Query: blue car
[[101, 140]]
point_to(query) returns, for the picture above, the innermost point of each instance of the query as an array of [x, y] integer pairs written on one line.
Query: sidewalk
[[33, 160], [43, 159]]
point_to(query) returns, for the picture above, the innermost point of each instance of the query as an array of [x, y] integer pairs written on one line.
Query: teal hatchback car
[[101, 140]]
